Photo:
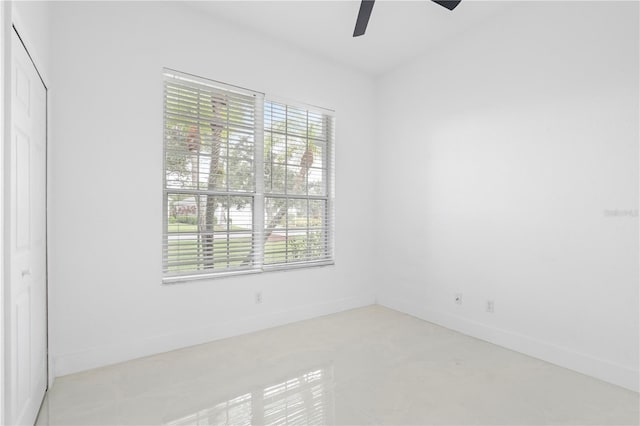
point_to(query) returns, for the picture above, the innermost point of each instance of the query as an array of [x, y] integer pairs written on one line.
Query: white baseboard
[[111, 354], [601, 369]]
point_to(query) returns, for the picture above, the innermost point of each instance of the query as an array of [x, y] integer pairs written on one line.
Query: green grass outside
[[187, 227], [239, 249]]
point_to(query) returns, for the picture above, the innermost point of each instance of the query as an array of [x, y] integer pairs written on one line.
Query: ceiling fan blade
[[363, 17], [449, 4]]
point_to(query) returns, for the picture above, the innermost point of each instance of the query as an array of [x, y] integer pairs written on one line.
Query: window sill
[[217, 275], [293, 266]]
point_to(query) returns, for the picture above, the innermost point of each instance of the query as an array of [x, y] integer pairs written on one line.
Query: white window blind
[[210, 187], [298, 180], [248, 184]]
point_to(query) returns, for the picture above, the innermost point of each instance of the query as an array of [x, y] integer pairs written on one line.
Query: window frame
[[258, 195], [329, 117]]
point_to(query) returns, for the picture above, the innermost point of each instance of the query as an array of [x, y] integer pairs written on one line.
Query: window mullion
[[258, 200]]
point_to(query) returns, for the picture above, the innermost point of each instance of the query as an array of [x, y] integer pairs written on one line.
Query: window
[[248, 183], [296, 185]]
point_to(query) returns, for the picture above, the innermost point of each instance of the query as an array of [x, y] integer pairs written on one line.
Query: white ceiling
[[398, 30]]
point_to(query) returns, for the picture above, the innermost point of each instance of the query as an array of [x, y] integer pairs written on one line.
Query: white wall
[[108, 303], [503, 149], [497, 157]]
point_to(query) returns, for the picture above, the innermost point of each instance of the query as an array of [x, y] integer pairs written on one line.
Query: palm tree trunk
[[208, 243]]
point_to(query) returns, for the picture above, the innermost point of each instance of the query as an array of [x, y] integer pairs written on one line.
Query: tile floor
[[365, 366]]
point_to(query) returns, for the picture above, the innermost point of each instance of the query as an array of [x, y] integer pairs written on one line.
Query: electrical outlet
[[490, 306], [458, 298], [259, 297]]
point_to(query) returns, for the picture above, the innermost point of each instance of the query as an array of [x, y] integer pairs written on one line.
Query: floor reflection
[[305, 398]]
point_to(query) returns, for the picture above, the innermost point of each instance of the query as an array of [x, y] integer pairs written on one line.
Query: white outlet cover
[[490, 306]]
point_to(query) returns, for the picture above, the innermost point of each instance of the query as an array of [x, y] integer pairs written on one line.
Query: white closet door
[[27, 352]]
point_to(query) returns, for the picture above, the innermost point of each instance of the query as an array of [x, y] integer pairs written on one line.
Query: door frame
[[10, 22], [5, 36]]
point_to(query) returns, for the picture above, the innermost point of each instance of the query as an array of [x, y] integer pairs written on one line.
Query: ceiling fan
[[367, 6]]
